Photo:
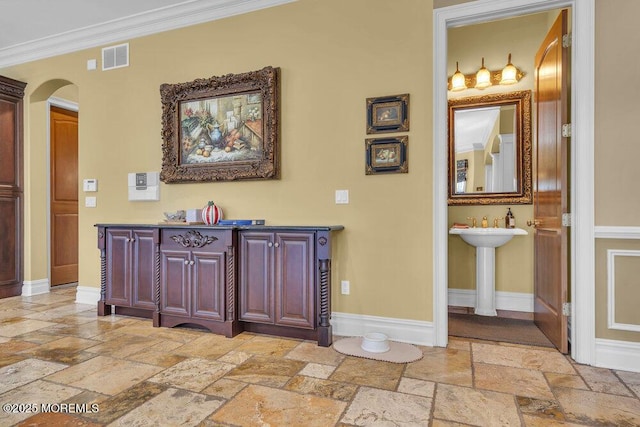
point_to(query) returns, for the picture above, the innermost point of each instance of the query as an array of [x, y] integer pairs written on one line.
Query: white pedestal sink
[[486, 240]]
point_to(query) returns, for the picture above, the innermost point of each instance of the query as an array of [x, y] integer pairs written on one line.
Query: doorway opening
[[484, 123], [581, 159], [63, 192]]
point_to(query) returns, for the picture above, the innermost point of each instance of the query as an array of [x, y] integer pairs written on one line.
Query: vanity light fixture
[[509, 73], [458, 81], [483, 77]]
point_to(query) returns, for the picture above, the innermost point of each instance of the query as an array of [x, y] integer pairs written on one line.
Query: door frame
[[71, 106], [582, 239]]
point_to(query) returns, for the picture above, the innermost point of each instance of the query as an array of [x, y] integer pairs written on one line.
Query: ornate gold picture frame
[[221, 128]]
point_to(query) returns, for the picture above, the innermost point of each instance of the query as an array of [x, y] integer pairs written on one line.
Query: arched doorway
[[39, 252]]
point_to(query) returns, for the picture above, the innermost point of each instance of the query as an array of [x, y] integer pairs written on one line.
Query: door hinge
[[566, 309], [566, 40], [567, 220], [566, 130]]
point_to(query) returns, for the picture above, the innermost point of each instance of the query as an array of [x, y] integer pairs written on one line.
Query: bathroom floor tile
[[105, 375], [517, 381], [140, 375], [310, 352], [475, 407], [545, 360], [264, 406], [192, 374], [585, 406], [449, 366], [25, 371], [34, 393], [603, 380], [22, 326], [271, 371], [322, 388], [368, 372], [186, 409], [373, 407]]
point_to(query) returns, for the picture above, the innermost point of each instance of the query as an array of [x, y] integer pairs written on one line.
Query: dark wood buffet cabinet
[[265, 279]]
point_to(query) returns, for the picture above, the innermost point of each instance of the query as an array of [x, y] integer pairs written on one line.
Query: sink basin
[[487, 237], [486, 240]]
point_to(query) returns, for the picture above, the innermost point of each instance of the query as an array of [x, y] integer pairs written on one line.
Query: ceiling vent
[[115, 56]]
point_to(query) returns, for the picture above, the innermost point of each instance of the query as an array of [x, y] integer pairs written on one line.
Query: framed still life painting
[[388, 114], [386, 155], [222, 128]]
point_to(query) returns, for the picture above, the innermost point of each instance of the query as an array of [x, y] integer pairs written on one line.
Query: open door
[[551, 190], [64, 196]]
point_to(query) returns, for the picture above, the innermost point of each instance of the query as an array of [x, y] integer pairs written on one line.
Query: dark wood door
[[175, 296], [208, 279], [294, 289], [256, 277], [64, 196], [551, 196], [144, 248], [11, 187], [119, 267]]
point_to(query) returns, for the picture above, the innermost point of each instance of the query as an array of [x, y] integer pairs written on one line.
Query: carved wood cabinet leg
[[325, 337], [104, 309], [156, 287]]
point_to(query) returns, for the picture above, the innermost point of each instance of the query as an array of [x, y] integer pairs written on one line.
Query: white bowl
[[375, 342]]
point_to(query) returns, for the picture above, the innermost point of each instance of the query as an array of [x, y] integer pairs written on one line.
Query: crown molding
[[159, 20]]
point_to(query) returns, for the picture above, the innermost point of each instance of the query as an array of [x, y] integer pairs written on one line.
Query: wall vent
[[115, 56]]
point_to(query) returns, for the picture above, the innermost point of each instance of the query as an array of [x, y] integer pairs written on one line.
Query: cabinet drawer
[[196, 239]]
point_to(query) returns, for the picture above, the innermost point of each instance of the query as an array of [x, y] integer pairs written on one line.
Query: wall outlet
[[345, 290]]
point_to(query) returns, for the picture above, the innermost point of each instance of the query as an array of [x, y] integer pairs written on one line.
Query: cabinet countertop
[[228, 227]]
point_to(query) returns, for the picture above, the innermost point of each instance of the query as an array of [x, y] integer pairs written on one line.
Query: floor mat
[[497, 329]]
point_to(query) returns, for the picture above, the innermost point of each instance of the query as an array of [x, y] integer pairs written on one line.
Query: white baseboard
[[402, 330], [35, 287], [512, 301], [622, 355], [87, 295]]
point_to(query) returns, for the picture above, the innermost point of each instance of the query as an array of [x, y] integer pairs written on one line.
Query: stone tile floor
[[61, 365]]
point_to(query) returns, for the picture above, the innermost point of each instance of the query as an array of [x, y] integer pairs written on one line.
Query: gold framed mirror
[[490, 149]]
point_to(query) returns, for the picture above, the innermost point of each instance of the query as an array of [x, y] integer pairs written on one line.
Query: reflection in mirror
[[490, 149]]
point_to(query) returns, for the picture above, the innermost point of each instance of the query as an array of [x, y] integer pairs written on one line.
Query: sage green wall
[[333, 55]]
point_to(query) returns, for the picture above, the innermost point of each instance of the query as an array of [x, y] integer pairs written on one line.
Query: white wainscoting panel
[[611, 290]]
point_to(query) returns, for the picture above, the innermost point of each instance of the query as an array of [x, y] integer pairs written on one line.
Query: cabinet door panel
[[118, 267], [256, 277], [144, 250], [175, 292], [208, 275], [294, 289]]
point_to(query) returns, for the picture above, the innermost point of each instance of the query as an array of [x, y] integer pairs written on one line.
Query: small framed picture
[[386, 155], [388, 114]]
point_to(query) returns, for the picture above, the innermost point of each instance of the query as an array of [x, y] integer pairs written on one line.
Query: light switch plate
[[90, 202], [342, 197], [92, 64]]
